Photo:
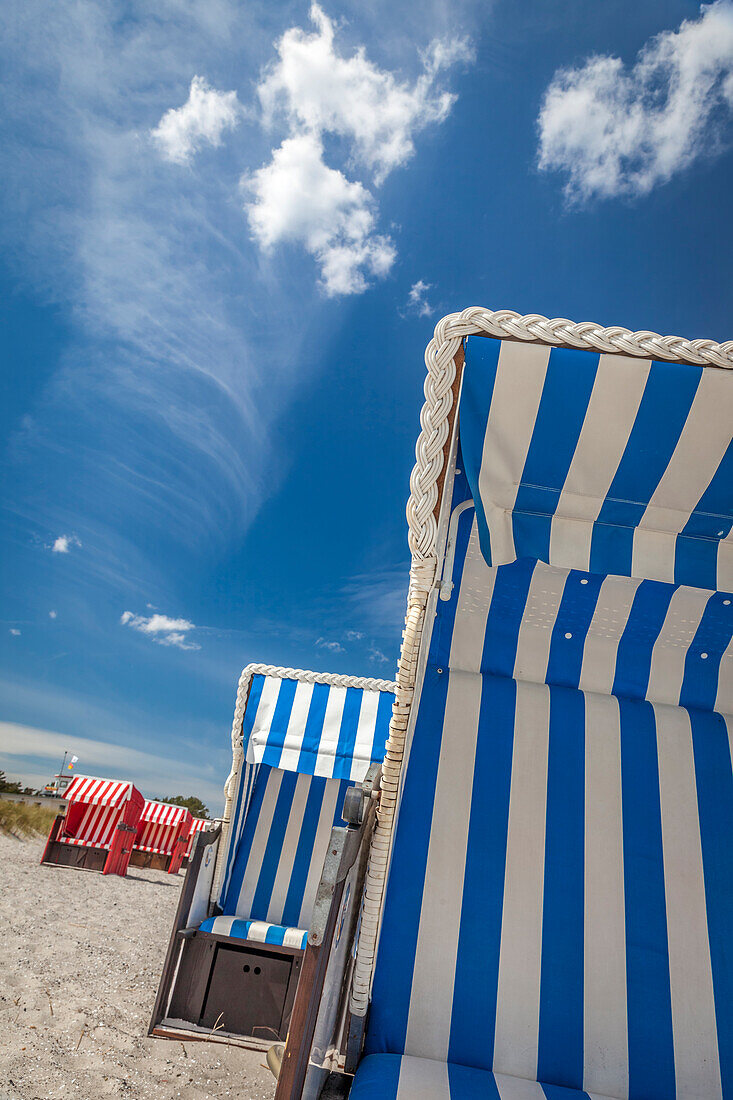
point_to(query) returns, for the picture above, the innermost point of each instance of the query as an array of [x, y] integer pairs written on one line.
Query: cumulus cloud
[[202, 120], [332, 647], [417, 301], [353, 635], [315, 91], [621, 131], [299, 199], [162, 629], [377, 656], [52, 614], [64, 543], [15, 632]]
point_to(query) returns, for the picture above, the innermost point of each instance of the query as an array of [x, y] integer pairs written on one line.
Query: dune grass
[[19, 819]]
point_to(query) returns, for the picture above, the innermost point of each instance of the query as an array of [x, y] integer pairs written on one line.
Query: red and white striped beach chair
[[97, 831], [162, 838]]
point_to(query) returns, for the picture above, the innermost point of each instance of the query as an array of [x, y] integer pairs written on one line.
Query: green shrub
[[21, 819]]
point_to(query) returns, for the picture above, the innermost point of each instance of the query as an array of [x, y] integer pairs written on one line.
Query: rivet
[[568, 635], [704, 656], [439, 671], [583, 580]]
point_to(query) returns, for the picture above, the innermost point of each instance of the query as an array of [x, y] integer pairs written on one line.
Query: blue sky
[[227, 232]]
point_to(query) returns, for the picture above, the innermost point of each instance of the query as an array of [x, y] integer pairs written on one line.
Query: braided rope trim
[[333, 679], [423, 533], [532, 328]]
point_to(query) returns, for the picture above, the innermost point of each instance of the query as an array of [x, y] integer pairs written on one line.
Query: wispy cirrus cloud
[[202, 120], [617, 130]]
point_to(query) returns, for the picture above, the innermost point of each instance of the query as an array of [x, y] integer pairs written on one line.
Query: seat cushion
[[400, 1077], [258, 930]]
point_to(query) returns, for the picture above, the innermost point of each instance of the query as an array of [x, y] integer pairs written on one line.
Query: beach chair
[[98, 828], [163, 837], [198, 825], [547, 909], [258, 888]]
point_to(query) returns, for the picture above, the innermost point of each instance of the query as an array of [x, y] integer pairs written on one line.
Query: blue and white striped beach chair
[[557, 807], [300, 741]]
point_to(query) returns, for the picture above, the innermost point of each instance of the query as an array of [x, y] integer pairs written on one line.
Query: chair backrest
[[279, 858], [559, 898], [95, 807], [161, 824], [301, 740]]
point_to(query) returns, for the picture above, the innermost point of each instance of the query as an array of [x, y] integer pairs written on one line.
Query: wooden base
[[154, 861], [75, 855]]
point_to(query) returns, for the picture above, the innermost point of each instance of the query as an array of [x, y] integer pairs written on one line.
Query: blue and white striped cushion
[[394, 1077], [257, 930], [600, 462], [279, 856], [559, 900]]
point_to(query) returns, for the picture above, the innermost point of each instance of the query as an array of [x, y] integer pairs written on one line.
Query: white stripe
[[223, 925], [293, 937], [606, 1059], [612, 410], [320, 846], [263, 719], [518, 994], [725, 565], [696, 1062], [259, 844], [516, 1088], [538, 620], [520, 376], [428, 1026], [284, 871], [423, 1079], [362, 751], [724, 699], [331, 729], [670, 649], [698, 453], [296, 727], [653, 554], [258, 930], [610, 616], [474, 601]]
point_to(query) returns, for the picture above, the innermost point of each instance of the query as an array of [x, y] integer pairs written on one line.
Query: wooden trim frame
[[203, 841]]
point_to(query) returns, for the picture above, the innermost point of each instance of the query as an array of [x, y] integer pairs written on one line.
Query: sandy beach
[[81, 955]]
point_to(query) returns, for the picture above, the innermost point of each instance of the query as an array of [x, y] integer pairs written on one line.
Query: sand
[[80, 959]]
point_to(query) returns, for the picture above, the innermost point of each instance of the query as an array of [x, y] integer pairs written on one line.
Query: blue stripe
[[313, 729], [560, 1048], [568, 384], [253, 701], [664, 408], [634, 654], [715, 807], [578, 603], [381, 728], [279, 725], [304, 851], [477, 390], [243, 847], [347, 733], [474, 999], [398, 938], [651, 1052], [713, 517], [712, 637], [442, 639], [377, 1078], [266, 878], [466, 1083], [511, 591]]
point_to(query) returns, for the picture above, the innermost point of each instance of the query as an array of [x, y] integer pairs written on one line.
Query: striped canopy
[[558, 910], [162, 813], [600, 462], [100, 792], [315, 729]]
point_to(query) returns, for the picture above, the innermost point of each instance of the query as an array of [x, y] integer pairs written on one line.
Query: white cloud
[[332, 647], [201, 120], [377, 655], [353, 635], [52, 614], [618, 131], [320, 91], [15, 632], [162, 629], [154, 774], [63, 544], [417, 301], [297, 197]]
